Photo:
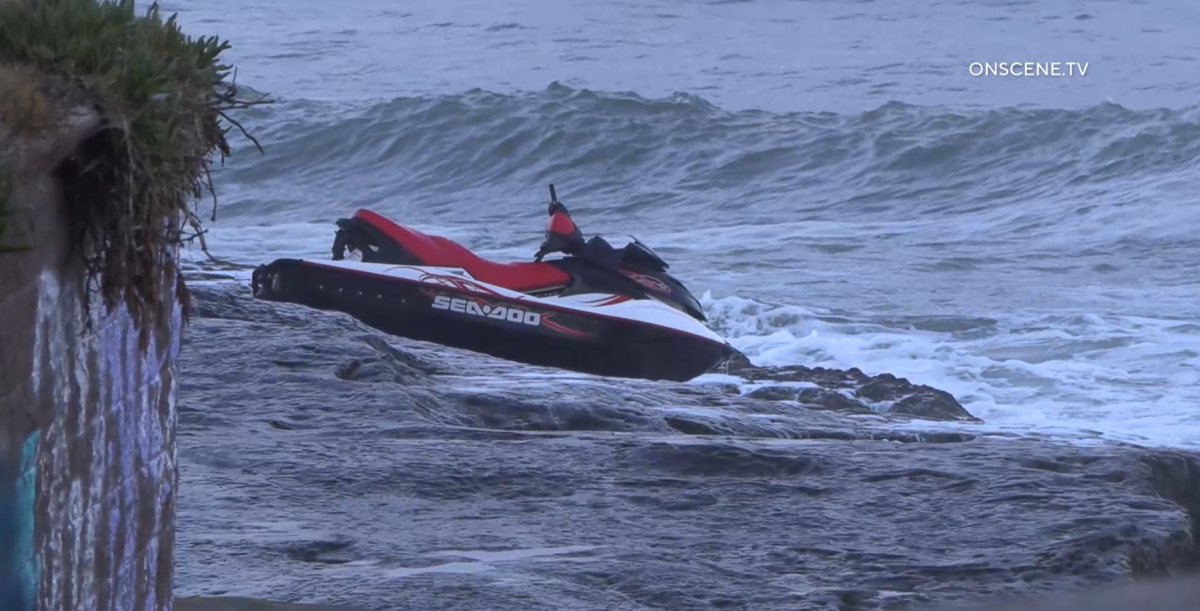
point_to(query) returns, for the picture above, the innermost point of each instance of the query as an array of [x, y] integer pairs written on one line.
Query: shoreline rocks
[[446, 480], [849, 390]]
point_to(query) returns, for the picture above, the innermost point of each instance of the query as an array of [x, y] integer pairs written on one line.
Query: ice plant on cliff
[[131, 188]]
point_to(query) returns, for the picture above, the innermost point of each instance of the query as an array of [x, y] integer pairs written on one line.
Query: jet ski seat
[[437, 251]]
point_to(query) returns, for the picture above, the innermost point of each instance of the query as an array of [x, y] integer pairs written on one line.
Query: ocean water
[[828, 174]]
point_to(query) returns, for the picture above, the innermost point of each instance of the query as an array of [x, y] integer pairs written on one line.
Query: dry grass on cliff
[[23, 108], [133, 192]]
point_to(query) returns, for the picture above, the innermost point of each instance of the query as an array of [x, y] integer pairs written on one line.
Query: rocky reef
[[391, 474]]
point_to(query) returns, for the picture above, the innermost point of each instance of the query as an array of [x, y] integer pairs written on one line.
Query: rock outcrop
[[391, 474], [849, 390]]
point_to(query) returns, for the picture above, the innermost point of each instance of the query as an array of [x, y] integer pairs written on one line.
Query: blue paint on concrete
[[18, 566]]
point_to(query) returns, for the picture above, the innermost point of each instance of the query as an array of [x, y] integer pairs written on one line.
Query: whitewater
[[830, 176]]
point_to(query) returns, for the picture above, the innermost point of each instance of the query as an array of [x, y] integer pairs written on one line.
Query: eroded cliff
[[109, 118]]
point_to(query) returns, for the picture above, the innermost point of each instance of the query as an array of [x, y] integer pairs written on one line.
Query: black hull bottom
[[492, 325]]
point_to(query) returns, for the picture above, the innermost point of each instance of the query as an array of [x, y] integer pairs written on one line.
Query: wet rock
[[822, 398], [410, 364], [332, 551], [692, 427], [774, 393], [496, 488], [1179, 594], [931, 404], [887, 393], [241, 603], [737, 362], [379, 370], [235, 302]]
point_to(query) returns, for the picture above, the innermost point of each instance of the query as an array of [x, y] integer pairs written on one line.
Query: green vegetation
[[133, 187]]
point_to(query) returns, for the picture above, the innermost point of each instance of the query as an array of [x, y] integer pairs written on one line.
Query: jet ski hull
[[606, 335]]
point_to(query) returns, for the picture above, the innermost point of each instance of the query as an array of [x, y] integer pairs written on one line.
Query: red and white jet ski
[[620, 314]]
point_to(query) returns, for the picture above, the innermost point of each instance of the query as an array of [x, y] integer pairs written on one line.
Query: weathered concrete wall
[[96, 414]]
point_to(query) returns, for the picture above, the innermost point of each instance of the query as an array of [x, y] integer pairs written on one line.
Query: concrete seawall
[[87, 419]]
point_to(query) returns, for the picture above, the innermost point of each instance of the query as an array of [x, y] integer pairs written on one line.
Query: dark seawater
[[829, 175]]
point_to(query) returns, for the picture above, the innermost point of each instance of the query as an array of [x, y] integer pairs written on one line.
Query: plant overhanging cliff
[[133, 187]]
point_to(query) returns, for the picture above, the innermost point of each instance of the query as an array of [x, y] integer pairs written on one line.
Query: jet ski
[[604, 311]]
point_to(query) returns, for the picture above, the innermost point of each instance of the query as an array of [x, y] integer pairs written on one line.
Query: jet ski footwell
[[598, 334]]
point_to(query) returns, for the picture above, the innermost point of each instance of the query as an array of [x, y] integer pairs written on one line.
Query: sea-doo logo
[[474, 308]]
